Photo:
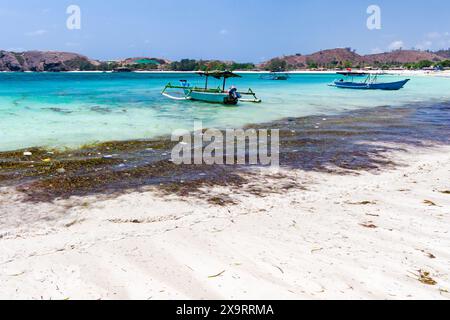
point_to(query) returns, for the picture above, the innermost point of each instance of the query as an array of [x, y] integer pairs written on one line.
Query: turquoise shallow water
[[72, 109]]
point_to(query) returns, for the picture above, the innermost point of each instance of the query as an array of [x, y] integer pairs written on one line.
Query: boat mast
[[206, 83], [224, 81]]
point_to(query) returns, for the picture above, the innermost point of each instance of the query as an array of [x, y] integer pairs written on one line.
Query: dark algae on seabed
[[345, 143]]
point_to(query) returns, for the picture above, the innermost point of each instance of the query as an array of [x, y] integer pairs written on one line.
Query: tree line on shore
[[274, 65]]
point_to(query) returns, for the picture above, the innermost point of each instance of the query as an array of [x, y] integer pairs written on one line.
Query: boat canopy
[[219, 74]]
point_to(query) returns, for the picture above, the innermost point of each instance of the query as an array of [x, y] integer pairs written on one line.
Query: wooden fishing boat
[[370, 83], [212, 95]]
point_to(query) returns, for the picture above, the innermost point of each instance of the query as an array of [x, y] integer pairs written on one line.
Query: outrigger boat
[[275, 76], [370, 83], [212, 95]]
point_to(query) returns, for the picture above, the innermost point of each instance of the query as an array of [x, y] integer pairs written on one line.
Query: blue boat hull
[[371, 86]]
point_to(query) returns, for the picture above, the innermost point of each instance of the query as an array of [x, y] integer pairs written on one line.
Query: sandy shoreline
[[363, 236]]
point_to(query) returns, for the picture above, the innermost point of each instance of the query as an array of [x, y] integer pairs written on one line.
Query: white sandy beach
[[366, 236]]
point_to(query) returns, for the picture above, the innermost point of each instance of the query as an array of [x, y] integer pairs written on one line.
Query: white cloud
[[434, 40], [425, 45], [36, 33], [433, 35], [376, 50], [396, 45], [16, 49]]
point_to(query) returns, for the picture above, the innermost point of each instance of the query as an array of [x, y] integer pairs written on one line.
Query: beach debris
[[425, 278], [362, 203], [27, 154], [17, 274], [46, 160], [61, 170], [430, 203], [221, 200], [217, 275], [279, 268], [372, 215], [369, 225], [72, 223], [3, 235], [145, 220], [429, 255], [445, 192]]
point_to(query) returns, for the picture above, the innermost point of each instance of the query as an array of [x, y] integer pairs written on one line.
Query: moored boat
[[212, 95], [370, 83], [275, 76]]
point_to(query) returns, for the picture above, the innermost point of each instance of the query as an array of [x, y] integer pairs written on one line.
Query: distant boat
[[370, 83], [122, 70], [212, 95], [275, 76]]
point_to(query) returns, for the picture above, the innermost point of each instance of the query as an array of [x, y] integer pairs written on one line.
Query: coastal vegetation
[[203, 65], [276, 65]]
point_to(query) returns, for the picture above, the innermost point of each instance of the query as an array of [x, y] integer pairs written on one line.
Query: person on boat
[[234, 93]]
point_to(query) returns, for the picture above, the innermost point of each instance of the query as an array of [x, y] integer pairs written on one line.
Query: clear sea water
[[72, 109]]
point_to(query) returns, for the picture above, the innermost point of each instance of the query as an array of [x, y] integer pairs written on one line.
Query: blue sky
[[242, 30]]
